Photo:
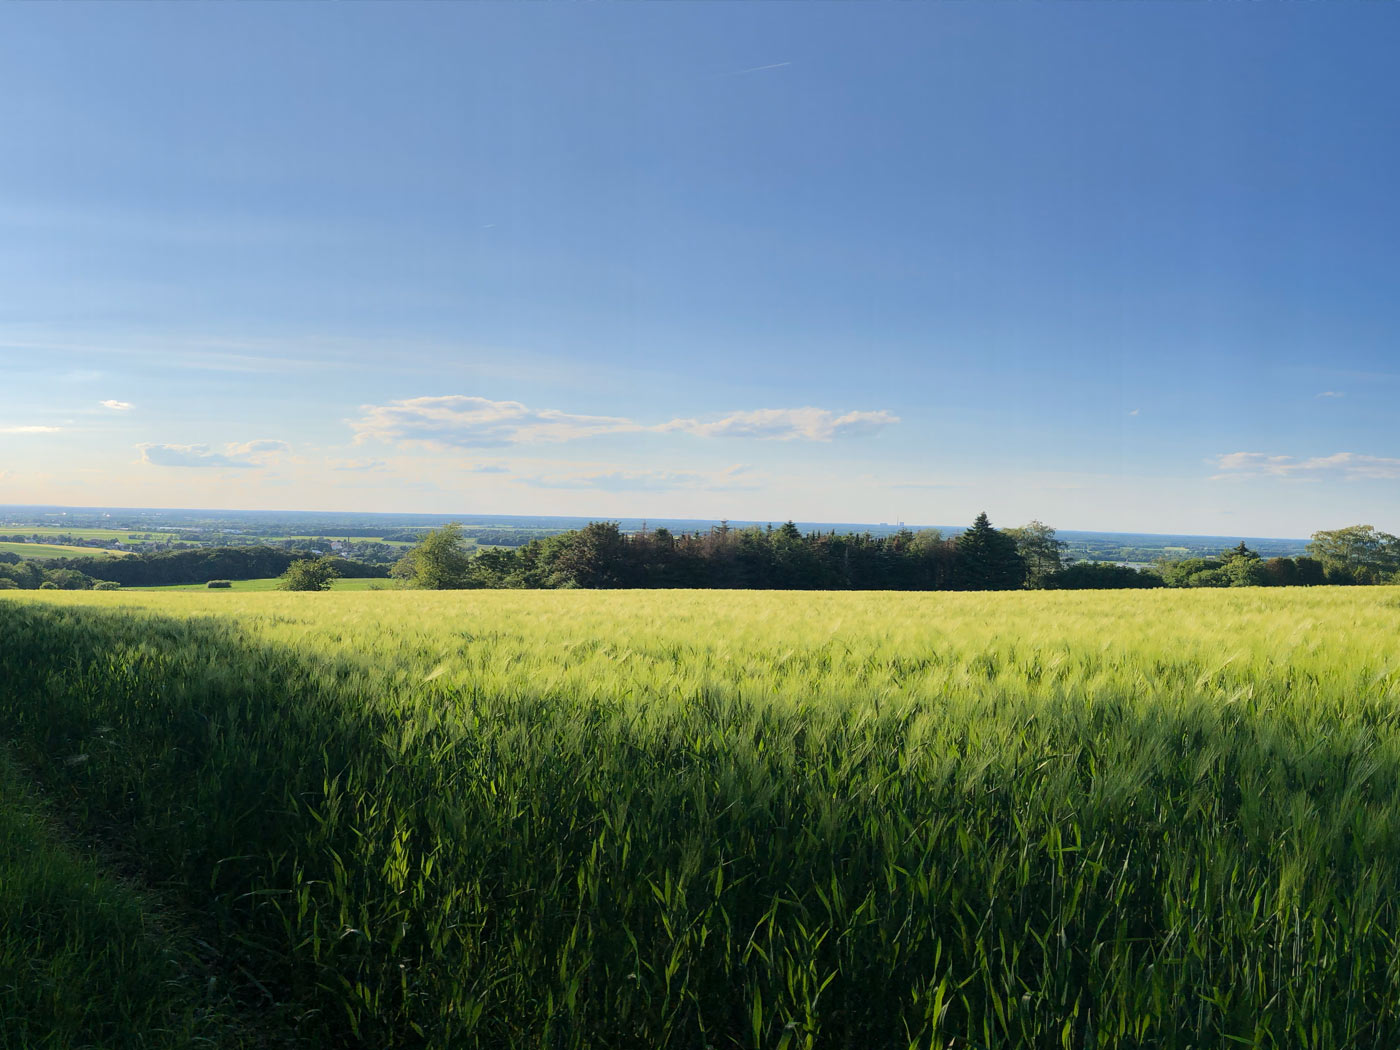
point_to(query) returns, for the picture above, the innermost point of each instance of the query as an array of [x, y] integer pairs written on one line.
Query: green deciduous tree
[[308, 574], [1360, 552], [1041, 551], [439, 562], [593, 556]]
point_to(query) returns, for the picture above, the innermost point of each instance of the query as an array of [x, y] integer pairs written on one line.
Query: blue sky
[[1110, 266]]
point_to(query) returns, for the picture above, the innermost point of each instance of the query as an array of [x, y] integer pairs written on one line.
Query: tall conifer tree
[[988, 559]]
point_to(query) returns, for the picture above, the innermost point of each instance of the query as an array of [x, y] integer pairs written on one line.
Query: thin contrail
[[756, 69]]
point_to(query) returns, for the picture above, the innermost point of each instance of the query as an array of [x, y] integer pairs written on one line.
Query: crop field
[[58, 550], [125, 535], [685, 819]]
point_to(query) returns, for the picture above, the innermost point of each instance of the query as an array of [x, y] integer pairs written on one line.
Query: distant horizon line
[[662, 521]]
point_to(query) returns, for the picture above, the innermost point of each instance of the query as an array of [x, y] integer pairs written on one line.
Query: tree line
[[784, 558], [199, 565]]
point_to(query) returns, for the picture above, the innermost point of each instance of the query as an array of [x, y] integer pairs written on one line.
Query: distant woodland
[[981, 558], [602, 555]]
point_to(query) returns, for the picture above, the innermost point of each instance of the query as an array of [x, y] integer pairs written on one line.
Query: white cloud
[[234, 455], [117, 406], [1331, 393], [1350, 466], [458, 421], [29, 430]]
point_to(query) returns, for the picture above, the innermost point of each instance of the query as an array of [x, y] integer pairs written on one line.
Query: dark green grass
[[82, 961]]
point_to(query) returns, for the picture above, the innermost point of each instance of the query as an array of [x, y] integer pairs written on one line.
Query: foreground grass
[[81, 962], [687, 819]]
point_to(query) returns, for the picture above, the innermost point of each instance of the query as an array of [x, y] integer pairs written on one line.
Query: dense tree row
[[601, 555], [982, 558], [1357, 554]]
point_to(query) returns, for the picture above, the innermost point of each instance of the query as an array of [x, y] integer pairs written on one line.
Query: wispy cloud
[[261, 446], [787, 424], [189, 456], [458, 421], [242, 456], [15, 429], [1349, 466], [357, 464], [757, 69], [179, 353], [1331, 393], [117, 406], [644, 480]]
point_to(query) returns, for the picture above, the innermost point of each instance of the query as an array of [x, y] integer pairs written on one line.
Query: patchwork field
[[743, 819], [125, 535]]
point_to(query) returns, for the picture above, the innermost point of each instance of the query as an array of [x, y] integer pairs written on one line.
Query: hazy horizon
[[437, 517]]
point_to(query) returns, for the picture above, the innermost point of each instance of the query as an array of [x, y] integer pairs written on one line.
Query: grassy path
[[85, 960]]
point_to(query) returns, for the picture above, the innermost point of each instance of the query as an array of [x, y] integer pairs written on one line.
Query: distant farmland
[[124, 535], [40, 551]]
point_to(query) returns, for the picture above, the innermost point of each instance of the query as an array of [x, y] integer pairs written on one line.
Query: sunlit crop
[[739, 819]]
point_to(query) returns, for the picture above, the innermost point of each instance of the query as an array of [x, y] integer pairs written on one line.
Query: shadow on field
[[393, 862]]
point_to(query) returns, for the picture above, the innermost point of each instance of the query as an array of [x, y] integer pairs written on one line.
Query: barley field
[[746, 819]]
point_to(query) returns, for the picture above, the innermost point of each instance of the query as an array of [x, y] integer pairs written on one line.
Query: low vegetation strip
[[81, 962], [682, 819], [339, 584]]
